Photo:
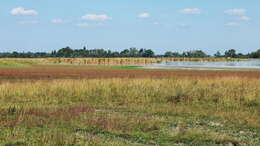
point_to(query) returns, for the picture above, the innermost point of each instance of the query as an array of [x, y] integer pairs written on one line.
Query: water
[[197, 65]]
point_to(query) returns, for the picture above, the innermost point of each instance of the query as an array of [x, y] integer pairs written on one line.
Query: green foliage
[[217, 54], [172, 54], [255, 54], [68, 52], [231, 53], [5, 63], [123, 67], [195, 54], [65, 52]]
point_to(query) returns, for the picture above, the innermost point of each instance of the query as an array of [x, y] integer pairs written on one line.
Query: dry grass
[[102, 61], [130, 112]]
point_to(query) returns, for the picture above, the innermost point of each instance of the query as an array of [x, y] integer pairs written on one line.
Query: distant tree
[[195, 54], [115, 54], [172, 54], [148, 53], [255, 54], [217, 54], [133, 52], [141, 51], [125, 53], [230, 53], [168, 54], [241, 55], [15, 54], [53, 53], [65, 52]]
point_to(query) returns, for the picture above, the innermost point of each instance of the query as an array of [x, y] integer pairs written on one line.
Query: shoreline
[[199, 67]]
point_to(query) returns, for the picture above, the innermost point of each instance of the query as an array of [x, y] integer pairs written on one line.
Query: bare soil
[[60, 72]]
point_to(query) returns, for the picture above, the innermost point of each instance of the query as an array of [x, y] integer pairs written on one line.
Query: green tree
[[195, 54], [172, 54], [65, 52], [133, 52], [255, 54], [217, 54], [231, 53], [148, 53]]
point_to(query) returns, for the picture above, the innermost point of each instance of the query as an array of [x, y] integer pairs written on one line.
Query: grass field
[[10, 62], [60, 105]]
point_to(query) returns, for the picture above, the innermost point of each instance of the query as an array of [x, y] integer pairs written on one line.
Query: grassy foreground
[[130, 112]]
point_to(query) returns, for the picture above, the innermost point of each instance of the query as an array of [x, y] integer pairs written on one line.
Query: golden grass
[[109, 61], [131, 111]]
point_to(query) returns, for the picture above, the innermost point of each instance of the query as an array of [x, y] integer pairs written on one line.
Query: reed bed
[[130, 112], [108, 61]]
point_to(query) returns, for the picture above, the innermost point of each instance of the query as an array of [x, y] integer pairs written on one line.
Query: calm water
[[240, 65]]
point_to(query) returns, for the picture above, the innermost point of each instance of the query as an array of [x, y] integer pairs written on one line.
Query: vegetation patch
[[172, 111], [14, 64]]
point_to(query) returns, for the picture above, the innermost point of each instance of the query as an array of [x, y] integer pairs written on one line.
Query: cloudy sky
[[210, 25]]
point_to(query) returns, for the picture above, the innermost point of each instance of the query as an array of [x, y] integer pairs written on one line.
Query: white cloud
[[57, 20], [191, 11], [96, 17], [235, 12], [232, 24], [144, 15], [244, 18], [28, 22], [156, 23], [23, 11]]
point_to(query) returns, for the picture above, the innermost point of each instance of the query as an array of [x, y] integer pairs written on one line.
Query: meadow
[[132, 107]]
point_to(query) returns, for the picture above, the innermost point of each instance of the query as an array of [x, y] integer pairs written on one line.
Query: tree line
[[68, 52]]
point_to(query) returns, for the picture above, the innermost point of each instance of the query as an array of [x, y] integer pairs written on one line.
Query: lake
[[203, 65]]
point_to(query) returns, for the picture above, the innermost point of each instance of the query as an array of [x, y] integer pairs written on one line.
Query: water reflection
[[251, 63], [197, 65]]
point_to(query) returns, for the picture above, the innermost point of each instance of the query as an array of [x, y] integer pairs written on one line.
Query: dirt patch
[[60, 72]]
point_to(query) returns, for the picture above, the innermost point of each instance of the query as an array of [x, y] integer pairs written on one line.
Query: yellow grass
[[109, 61], [130, 111]]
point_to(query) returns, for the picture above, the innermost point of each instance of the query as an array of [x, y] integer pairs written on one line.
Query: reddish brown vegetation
[[111, 121], [19, 116], [64, 113], [55, 72], [38, 117]]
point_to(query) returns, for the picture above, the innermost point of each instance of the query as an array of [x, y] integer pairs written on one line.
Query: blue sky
[[168, 25]]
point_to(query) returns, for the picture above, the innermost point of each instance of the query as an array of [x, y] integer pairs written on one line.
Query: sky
[[161, 25]]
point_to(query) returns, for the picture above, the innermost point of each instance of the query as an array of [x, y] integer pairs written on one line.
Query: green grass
[[111, 66], [130, 112], [126, 67], [99, 66], [16, 63]]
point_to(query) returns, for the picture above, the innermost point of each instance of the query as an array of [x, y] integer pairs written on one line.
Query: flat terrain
[[98, 105], [69, 71], [134, 112]]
